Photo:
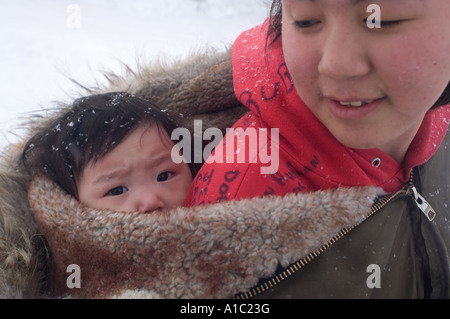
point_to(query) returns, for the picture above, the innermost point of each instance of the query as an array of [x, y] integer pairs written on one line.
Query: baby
[[112, 151]]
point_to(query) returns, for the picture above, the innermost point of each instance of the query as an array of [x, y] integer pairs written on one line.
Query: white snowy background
[[44, 41]]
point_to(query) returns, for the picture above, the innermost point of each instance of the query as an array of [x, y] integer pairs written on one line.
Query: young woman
[[354, 105]]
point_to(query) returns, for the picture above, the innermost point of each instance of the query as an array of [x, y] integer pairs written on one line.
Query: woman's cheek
[[302, 65], [409, 68]]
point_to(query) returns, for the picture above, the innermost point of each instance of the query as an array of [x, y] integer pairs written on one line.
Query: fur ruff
[[215, 251], [24, 255], [197, 87]]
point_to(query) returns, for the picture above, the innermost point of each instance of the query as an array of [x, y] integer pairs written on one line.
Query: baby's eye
[[303, 24], [164, 176], [117, 191]]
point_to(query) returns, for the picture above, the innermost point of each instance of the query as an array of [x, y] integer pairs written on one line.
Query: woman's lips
[[352, 110]]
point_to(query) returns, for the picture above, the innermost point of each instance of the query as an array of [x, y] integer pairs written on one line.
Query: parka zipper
[[408, 189], [421, 202]]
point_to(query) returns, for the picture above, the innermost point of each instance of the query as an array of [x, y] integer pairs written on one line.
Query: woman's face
[[371, 87]]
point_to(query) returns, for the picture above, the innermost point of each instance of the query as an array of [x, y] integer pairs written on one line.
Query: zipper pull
[[423, 205]]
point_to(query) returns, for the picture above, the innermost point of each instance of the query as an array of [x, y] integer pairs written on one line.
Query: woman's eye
[[387, 24], [303, 24], [117, 191], [164, 176]]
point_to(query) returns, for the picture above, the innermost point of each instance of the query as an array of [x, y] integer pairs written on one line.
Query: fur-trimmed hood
[[199, 86], [201, 252]]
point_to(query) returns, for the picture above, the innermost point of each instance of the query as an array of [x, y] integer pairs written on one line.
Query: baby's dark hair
[[91, 128], [274, 32]]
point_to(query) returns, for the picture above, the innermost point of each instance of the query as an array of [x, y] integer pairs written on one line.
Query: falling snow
[[41, 49]]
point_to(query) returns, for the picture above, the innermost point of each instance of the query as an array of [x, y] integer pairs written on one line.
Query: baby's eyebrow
[[161, 158], [163, 162], [114, 173], [118, 172]]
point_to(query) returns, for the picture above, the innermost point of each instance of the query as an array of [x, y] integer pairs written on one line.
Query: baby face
[[138, 175], [371, 87]]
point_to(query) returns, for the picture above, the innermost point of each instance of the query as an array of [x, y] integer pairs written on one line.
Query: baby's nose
[[149, 203]]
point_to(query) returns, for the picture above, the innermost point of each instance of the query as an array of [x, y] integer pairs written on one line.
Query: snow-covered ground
[[45, 41]]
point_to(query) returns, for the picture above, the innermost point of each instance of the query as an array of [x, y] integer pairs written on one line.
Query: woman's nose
[[343, 56]]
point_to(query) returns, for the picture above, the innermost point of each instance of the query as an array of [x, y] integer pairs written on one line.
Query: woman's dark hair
[[274, 32], [275, 14], [91, 128], [444, 99]]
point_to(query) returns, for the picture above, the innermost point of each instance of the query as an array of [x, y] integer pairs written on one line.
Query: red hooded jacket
[[305, 156]]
